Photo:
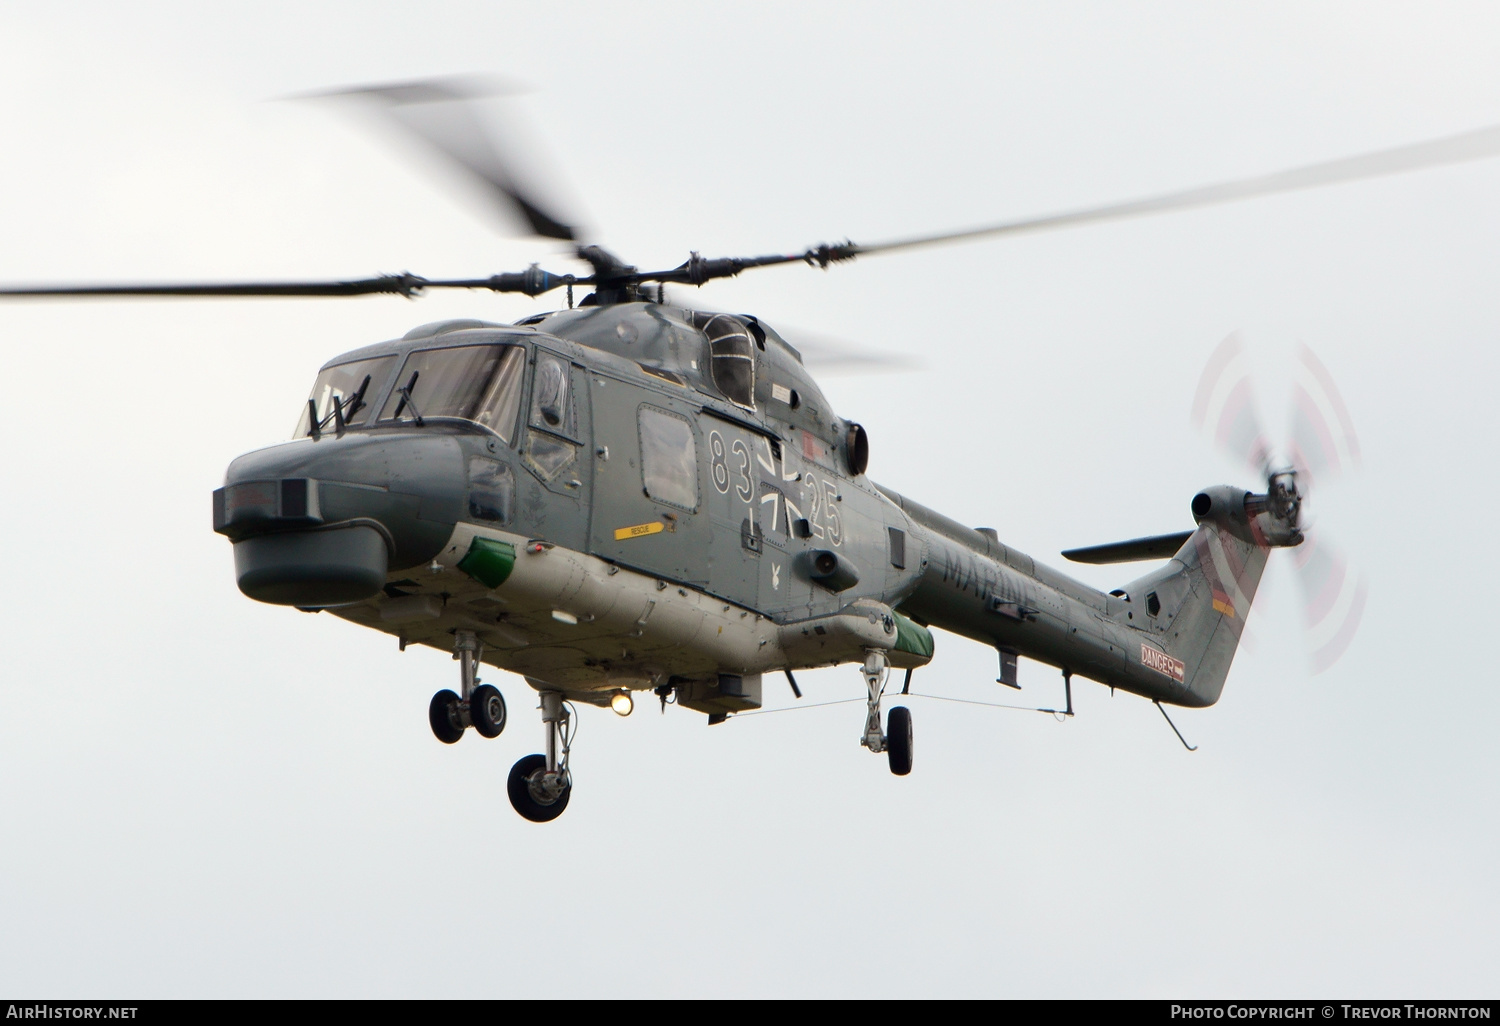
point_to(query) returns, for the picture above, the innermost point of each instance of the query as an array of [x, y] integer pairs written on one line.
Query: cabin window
[[669, 458], [733, 353], [897, 539], [351, 386], [478, 383]]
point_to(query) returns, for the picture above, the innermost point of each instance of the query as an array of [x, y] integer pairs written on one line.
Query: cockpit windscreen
[[350, 387], [478, 383]]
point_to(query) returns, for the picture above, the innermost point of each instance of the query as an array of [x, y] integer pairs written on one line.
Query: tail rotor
[[1323, 442], [1322, 445], [1224, 407]]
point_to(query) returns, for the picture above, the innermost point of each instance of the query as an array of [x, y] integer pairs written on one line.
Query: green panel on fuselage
[[489, 562]]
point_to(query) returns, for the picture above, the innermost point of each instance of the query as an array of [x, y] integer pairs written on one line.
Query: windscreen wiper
[[357, 400], [405, 393], [343, 411]]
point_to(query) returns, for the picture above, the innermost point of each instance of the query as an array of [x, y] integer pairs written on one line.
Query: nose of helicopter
[[322, 522]]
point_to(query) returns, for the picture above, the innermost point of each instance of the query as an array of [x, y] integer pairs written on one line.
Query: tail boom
[[1169, 636]]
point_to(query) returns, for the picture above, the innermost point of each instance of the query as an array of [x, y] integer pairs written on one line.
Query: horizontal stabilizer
[[1161, 546]]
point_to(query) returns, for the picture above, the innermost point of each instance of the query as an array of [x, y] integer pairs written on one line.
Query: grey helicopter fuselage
[[637, 496], [633, 495]]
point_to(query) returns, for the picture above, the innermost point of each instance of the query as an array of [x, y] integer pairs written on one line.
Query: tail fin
[[1200, 599]]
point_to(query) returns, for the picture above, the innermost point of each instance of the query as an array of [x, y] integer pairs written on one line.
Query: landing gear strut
[[540, 785], [480, 706], [895, 742]]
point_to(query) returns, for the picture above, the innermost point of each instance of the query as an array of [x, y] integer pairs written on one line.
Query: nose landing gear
[[895, 741], [540, 785], [480, 706]]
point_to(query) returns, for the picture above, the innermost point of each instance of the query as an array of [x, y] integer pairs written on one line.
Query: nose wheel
[[477, 705]]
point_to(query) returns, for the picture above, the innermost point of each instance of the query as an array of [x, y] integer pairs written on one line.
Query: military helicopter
[[630, 496]]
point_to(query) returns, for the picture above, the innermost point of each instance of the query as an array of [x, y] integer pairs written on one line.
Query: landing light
[[622, 703]]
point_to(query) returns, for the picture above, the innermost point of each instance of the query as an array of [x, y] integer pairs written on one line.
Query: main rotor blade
[[532, 282], [440, 113], [403, 284], [839, 356], [1453, 149]]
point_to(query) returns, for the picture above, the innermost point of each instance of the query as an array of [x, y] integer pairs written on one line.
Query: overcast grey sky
[[206, 796]]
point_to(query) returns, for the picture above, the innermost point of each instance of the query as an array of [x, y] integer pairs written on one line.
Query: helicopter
[[630, 497]]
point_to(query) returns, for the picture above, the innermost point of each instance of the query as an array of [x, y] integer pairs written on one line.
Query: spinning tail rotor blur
[[1321, 445]]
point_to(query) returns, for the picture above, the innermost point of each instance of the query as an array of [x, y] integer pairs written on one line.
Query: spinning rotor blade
[[532, 282], [1473, 145], [1333, 600], [1224, 406], [837, 355], [1453, 149], [440, 113], [399, 284], [1323, 442], [826, 353]]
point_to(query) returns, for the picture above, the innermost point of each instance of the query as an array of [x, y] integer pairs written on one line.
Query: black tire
[[442, 714], [519, 789], [898, 740], [487, 710]]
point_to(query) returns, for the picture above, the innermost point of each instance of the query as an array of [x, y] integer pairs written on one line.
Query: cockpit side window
[[548, 449], [551, 402], [350, 387], [733, 353]]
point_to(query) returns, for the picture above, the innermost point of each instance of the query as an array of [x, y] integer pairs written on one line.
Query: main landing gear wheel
[[895, 740], [477, 705], [529, 793], [446, 716], [540, 785], [898, 740], [487, 710]]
